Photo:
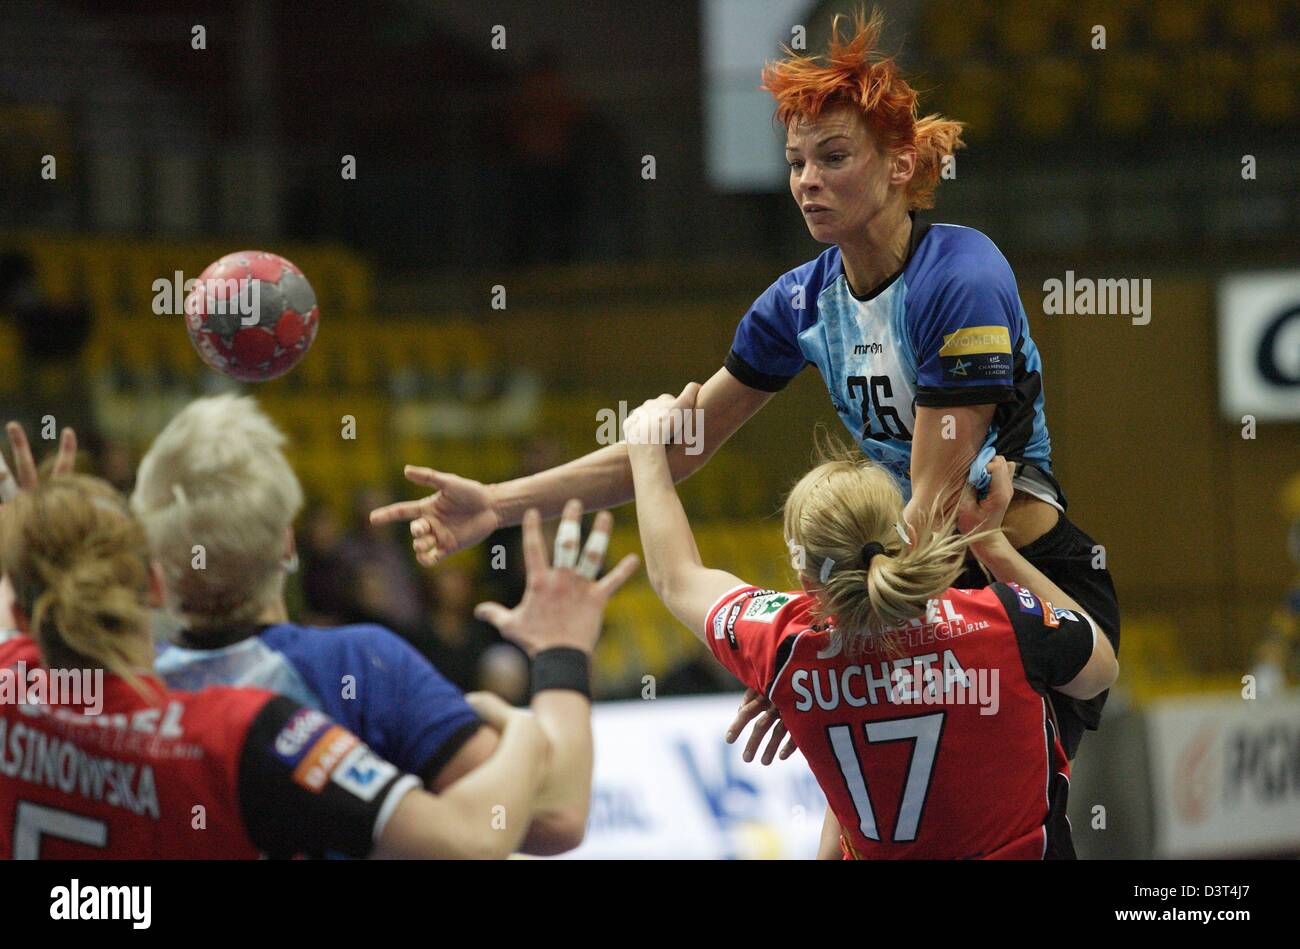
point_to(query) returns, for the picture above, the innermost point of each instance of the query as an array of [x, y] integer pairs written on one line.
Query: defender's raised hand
[[563, 603], [23, 476]]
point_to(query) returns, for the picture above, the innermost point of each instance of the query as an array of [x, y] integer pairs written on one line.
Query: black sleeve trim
[[937, 397], [334, 806], [430, 770], [1052, 656], [751, 377], [783, 650]]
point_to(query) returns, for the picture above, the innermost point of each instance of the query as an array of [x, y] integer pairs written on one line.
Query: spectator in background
[[568, 172], [52, 336], [504, 575], [384, 588], [456, 641], [324, 578], [116, 464]]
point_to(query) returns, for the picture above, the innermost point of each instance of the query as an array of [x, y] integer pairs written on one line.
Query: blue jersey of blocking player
[[946, 330], [364, 677]]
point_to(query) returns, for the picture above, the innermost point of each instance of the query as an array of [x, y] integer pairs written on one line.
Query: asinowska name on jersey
[[947, 330]]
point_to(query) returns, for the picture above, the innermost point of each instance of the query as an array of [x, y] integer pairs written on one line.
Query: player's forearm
[[944, 445], [666, 538], [484, 815], [828, 848], [1008, 565], [495, 801], [564, 800], [601, 479]]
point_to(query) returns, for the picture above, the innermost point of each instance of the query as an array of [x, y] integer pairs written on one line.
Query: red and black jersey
[[941, 747], [218, 774]]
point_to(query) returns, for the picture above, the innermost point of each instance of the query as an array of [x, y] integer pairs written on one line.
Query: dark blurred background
[[527, 168]]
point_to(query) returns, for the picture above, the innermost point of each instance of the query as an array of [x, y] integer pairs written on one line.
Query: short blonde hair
[[216, 478], [840, 506]]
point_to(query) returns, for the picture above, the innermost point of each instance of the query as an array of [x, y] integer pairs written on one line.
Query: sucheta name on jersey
[[20, 685], [32, 755], [909, 680]]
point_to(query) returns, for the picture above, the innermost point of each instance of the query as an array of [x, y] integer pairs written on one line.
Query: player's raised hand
[[756, 705], [23, 476], [458, 515], [563, 601]]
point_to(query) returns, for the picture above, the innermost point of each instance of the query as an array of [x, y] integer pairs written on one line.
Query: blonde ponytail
[[79, 566], [846, 503]]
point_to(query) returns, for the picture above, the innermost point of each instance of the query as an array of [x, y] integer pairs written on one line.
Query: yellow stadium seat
[[1049, 96], [1251, 21], [973, 95], [1179, 23], [1271, 89], [1126, 94], [1025, 27], [953, 28], [1202, 90]]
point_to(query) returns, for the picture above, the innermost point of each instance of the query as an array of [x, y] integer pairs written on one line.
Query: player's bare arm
[[484, 815], [944, 443], [828, 848], [559, 620], [1000, 557], [463, 512], [682, 582]]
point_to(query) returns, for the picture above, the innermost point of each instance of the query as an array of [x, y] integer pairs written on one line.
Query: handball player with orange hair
[[916, 327]]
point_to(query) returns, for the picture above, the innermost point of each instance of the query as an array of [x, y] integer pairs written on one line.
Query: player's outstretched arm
[[685, 585], [558, 623], [485, 814], [462, 512]]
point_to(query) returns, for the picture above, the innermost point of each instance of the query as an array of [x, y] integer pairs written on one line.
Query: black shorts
[[1066, 554]]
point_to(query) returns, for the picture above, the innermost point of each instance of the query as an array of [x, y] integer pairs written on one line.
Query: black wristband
[[562, 667]]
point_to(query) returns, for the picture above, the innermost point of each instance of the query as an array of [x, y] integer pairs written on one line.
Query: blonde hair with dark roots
[[846, 502], [854, 73], [79, 565]]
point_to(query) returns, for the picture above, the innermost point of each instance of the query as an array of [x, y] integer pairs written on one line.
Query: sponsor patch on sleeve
[[363, 773], [323, 757], [1066, 614], [1028, 602], [733, 613], [298, 733], [977, 341], [984, 367], [763, 609]]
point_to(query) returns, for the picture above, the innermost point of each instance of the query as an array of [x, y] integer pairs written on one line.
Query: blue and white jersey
[[365, 677], [948, 329]]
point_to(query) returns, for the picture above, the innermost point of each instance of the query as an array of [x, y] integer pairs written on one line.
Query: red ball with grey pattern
[[252, 315]]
